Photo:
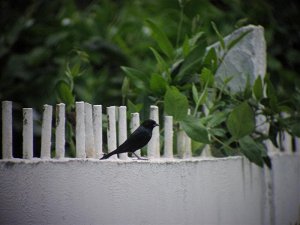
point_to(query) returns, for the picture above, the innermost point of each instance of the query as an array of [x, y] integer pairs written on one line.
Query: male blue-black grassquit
[[138, 139]]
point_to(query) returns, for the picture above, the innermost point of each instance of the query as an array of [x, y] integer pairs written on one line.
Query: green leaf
[[37, 55], [274, 104], [258, 88], [68, 72], [195, 93], [192, 63], [64, 93], [219, 132], [201, 99], [216, 119], [186, 46], [203, 96], [272, 95], [78, 64], [273, 132], [133, 108], [211, 59], [84, 56], [271, 92], [136, 75], [125, 87], [227, 80], [193, 41], [207, 77], [221, 39], [252, 150], [241, 22], [175, 104], [267, 161], [162, 65], [158, 84], [286, 109], [75, 69], [175, 68], [161, 39], [295, 128], [241, 121], [248, 89], [195, 130]]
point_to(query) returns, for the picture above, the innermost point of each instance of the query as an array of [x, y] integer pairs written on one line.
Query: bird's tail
[[106, 156]]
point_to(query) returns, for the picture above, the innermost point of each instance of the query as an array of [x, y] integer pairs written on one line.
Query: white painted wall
[[196, 191]]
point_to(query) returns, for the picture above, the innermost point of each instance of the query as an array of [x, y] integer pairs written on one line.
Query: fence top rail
[[198, 159], [13, 161]]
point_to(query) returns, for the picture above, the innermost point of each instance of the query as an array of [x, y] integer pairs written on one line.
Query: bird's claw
[[138, 157], [142, 158]]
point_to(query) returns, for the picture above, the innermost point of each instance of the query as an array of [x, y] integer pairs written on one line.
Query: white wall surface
[[196, 191]]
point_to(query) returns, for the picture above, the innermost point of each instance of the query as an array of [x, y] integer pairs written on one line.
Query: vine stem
[[222, 143]]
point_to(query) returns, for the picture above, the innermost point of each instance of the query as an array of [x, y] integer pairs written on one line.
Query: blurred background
[[78, 47]]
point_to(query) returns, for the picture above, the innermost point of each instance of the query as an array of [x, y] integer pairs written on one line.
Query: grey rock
[[245, 61]]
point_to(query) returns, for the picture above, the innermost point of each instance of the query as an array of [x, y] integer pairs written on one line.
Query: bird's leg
[[139, 157]]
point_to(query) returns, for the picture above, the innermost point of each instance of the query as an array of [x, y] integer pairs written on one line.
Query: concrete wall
[[196, 191]]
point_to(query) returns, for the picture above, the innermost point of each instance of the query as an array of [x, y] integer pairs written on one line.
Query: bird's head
[[149, 124]]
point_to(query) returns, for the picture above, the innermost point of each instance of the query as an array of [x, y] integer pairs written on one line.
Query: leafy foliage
[[220, 118], [252, 150], [175, 104], [241, 121], [195, 129]]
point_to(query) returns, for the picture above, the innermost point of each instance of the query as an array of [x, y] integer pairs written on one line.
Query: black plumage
[[138, 139]]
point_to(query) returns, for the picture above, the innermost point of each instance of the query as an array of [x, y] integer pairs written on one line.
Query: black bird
[[138, 139]]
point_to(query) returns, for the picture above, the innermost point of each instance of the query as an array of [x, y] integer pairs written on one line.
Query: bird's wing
[[138, 139]]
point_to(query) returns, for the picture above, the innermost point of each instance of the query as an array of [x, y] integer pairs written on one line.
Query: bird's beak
[[156, 125]]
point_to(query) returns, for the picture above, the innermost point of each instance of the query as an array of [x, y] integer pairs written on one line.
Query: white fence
[[89, 137]]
